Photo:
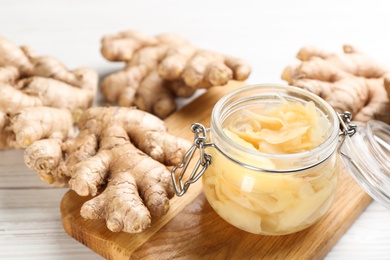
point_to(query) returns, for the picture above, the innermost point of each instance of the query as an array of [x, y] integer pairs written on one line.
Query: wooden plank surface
[[191, 229], [30, 219]]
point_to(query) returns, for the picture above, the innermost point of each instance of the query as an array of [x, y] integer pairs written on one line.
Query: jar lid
[[367, 157]]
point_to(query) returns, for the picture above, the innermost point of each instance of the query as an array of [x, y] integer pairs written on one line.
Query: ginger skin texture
[[39, 97], [159, 69], [122, 149], [348, 82]]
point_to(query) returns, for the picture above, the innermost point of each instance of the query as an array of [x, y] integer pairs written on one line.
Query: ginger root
[[39, 97], [159, 69], [348, 82], [124, 149]]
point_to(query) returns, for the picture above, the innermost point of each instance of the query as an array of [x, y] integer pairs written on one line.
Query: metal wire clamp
[[347, 127], [200, 137]]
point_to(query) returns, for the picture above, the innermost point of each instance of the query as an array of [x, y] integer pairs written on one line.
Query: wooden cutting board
[[192, 230]]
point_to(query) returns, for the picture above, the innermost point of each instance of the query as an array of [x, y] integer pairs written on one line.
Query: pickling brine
[[288, 138]]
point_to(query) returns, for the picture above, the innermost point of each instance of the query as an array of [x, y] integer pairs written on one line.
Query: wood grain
[[191, 229]]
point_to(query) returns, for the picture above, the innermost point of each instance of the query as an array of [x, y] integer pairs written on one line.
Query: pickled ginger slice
[[306, 208], [280, 128], [281, 136], [266, 121], [237, 139]]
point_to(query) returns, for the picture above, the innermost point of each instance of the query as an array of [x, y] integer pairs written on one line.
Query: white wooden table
[[266, 33]]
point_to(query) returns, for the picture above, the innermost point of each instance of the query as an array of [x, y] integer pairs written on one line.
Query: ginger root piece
[[124, 149], [121, 46], [167, 66], [12, 55], [350, 81], [39, 96]]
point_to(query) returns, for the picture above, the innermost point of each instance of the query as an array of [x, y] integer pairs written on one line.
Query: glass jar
[[267, 193], [291, 191]]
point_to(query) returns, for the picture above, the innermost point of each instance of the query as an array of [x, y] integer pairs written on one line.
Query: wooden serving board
[[192, 230]]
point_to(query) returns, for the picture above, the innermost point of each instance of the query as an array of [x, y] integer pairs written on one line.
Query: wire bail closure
[[200, 137], [347, 128]]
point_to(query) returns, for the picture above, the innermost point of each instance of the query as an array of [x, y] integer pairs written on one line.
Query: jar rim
[[216, 120]]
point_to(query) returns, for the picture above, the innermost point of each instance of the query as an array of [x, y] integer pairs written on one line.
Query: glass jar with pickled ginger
[[269, 162]]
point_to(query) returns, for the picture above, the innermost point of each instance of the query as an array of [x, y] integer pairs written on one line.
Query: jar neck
[[286, 163]]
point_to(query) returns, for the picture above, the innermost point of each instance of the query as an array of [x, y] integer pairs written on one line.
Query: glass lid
[[367, 157]]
